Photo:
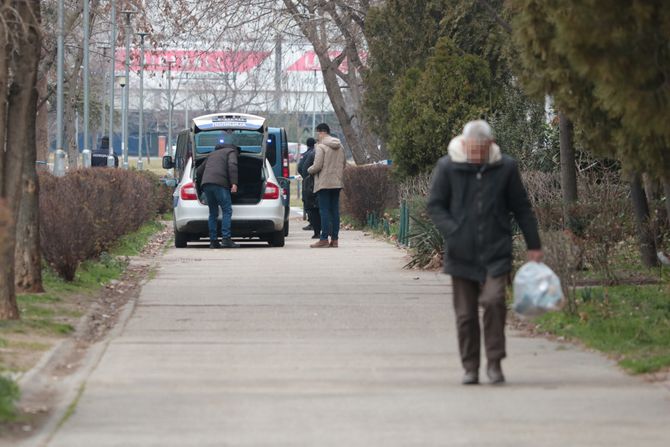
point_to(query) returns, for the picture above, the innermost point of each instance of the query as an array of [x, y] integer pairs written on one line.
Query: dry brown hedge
[[369, 189], [83, 213]]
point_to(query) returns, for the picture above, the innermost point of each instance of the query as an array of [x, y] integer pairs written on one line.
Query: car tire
[[180, 239], [286, 228], [277, 239]]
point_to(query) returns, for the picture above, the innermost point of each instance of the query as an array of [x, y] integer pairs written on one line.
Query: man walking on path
[[309, 199], [218, 177], [328, 172], [474, 190]]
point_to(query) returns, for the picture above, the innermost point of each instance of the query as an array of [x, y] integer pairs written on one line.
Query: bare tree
[[19, 57], [335, 30]]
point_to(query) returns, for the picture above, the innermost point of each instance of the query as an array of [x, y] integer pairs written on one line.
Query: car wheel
[[286, 228], [180, 239], [277, 239]]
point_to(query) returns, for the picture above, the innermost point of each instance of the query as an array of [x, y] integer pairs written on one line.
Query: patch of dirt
[[102, 311], [22, 351]]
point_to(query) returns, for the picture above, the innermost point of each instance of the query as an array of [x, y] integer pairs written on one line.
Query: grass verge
[[50, 316], [628, 322], [9, 394]]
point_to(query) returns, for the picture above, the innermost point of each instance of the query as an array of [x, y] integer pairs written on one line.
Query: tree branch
[[494, 14]]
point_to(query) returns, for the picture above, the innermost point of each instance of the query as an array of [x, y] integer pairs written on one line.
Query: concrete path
[[301, 347]]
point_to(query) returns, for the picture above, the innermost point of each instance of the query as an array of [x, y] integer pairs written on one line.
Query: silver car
[[258, 206]]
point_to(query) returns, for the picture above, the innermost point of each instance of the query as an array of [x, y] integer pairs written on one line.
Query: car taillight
[[285, 172], [188, 192], [271, 191]]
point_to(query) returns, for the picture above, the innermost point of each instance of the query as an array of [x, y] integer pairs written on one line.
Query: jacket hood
[[331, 142], [458, 154]]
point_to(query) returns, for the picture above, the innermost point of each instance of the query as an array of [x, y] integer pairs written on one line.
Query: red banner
[[192, 61], [310, 62]]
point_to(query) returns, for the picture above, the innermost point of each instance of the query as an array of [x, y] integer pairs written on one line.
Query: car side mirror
[[167, 162]]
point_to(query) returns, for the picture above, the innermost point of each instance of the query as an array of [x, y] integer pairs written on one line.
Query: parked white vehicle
[[258, 206]]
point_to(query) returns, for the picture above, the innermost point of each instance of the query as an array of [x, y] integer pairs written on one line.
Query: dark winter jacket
[[308, 194], [220, 167], [99, 156], [472, 206]]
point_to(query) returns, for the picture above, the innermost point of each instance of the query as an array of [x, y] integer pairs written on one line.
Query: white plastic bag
[[537, 289]]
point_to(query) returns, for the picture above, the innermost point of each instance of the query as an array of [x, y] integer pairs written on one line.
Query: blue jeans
[[329, 207], [218, 196]]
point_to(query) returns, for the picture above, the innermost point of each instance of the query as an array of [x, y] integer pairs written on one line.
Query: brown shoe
[[333, 243], [322, 243]]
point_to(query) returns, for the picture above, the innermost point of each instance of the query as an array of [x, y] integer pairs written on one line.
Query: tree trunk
[[651, 189], [4, 81], [344, 17], [21, 137], [568, 169], [642, 219], [666, 193], [28, 275], [69, 130], [357, 144], [8, 308], [10, 169], [42, 124]]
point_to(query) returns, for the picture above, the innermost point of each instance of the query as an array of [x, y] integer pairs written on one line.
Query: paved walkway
[[300, 347]]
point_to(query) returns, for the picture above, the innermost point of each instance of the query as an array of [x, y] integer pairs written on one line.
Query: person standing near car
[[218, 177], [99, 156], [309, 200], [328, 172], [474, 191]]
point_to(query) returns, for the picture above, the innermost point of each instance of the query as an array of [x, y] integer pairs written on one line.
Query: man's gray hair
[[478, 130]]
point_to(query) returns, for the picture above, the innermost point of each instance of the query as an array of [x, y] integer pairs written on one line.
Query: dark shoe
[[494, 372], [333, 243], [322, 243], [228, 243], [316, 236], [215, 244], [470, 378], [308, 228]]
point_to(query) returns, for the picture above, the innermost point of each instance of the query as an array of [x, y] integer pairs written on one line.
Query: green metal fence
[[381, 224]]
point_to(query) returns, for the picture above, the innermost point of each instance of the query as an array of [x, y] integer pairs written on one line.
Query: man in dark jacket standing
[[218, 177], [99, 156], [474, 191], [309, 200]]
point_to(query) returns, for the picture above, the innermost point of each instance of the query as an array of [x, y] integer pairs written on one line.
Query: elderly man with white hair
[[475, 190]]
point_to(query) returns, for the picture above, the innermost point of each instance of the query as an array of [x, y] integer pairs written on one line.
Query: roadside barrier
[[384, 225]]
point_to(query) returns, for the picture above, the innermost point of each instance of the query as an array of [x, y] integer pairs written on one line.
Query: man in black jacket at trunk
[[309, 199], [474, 192], [218, 177]]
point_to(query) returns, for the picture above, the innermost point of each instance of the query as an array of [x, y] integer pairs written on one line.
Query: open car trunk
[[251, 180]]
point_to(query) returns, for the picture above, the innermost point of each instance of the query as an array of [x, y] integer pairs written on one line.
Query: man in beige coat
[[328, 172]]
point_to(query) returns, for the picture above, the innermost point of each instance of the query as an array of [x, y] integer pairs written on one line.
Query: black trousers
[[468, 296], [314, 218]]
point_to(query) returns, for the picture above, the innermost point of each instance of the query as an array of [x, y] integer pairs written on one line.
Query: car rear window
[[246, 140]]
